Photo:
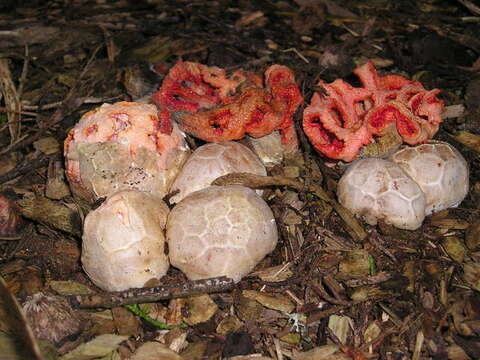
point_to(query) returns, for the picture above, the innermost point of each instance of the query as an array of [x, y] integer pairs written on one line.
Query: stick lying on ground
[[151, 294]]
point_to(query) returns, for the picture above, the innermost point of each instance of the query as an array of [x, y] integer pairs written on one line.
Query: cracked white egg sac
[[377, 189]]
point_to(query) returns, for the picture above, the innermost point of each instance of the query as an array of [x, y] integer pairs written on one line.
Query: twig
[[85, 100], [470, 6], [337, 308], [320, 290], [379, 277], [299, 54], [23, 77], [3, 109], [152, 294], [27, 166]]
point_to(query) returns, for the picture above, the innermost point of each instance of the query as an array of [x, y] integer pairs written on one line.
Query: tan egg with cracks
[[119, 147], [212, 160], [440, 171], [123, 241], [377, 189], [220, 230]]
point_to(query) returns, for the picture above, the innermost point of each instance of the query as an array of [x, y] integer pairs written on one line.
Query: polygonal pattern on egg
[[387, 194], [440, 171], [231, 241], [211, 161]]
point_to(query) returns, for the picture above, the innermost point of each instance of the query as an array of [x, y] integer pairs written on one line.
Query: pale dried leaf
[[471, 274], [275, 273], [319, 353], [453, 111], [154, 350], [47, 145], [355, 263], [69, 287], [340, 326], [229, 324], [372, 331], [271, 301], [455, 248], [468, 139], [100, 346], [200, 309]]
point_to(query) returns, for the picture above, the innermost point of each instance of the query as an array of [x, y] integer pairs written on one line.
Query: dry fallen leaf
[[101, 345], [468, 139], [155, 350], [355, 263], [272, 301], [200, 309]]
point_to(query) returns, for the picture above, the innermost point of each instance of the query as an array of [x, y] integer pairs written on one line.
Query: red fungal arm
[[280, 81], [184, 89], [213, 106], [344, 119], [323, 124]]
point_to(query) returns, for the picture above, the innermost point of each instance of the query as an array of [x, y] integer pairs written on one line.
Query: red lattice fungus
[[345, 118], [212, 105]]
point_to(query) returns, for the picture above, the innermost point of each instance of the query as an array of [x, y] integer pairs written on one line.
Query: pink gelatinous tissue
[[212, 105], [121, 146], [345, 118]]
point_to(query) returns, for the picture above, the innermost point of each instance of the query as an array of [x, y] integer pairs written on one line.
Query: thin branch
[[152, 294], [470, 6]]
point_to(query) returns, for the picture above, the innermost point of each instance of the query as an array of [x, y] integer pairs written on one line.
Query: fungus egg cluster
[[119, 152], [413, 183]]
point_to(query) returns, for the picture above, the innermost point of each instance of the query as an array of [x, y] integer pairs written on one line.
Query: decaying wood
[[152, 294], [51, 213]]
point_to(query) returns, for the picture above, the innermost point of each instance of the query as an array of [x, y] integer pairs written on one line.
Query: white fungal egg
[[378, 189], [220, 230], [212, 160], [119, 147], [440, 171], [123, 241], [269, 148]]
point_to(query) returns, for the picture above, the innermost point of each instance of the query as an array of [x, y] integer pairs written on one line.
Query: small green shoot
[[143, 313], [372, 266]]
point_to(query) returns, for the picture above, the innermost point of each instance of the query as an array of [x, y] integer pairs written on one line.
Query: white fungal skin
[[220, 230], [440, 171], [119, 147], [123, 241], [212, 160], [268, 148], [378, 189]]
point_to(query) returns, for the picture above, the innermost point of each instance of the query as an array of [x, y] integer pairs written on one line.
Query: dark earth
[[391, 294]]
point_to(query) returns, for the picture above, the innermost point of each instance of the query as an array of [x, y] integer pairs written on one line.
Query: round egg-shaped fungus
[[220, 230], [119, 147], [440, 171], [268, 148], [123, 241], [212, 160], [378, 189]]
